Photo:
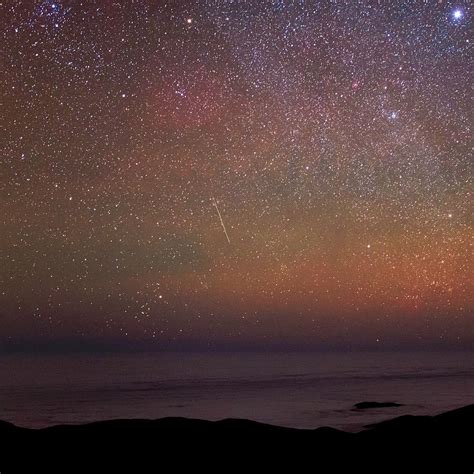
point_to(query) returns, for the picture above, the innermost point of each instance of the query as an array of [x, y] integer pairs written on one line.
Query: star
[[458, 14]]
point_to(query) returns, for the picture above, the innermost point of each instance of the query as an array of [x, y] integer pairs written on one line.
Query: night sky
[[236, 174]]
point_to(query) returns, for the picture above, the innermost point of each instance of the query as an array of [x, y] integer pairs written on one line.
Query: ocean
[[302, 390]]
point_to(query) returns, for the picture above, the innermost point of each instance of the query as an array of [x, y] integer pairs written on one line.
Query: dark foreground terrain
[[442, 443]]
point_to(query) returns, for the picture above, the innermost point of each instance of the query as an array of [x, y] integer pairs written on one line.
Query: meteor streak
[[220, 218]]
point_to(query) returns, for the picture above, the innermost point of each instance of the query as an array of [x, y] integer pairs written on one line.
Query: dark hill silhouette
[[440, 443]]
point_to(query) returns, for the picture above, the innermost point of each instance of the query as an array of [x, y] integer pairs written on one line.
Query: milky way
[[334, 136]]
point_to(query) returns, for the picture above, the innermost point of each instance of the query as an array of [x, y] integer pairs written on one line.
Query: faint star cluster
[[335, 136]]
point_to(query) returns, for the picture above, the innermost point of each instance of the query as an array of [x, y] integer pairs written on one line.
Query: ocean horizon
[[300, 390]]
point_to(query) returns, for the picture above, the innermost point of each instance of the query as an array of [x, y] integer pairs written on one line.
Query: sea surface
[[304, 390]]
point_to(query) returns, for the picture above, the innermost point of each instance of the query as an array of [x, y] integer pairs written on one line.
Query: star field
[[333, 136]]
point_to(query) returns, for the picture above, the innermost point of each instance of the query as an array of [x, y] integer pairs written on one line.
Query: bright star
[[458, 14]]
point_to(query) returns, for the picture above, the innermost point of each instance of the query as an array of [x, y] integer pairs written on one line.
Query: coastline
[[430, 441]]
